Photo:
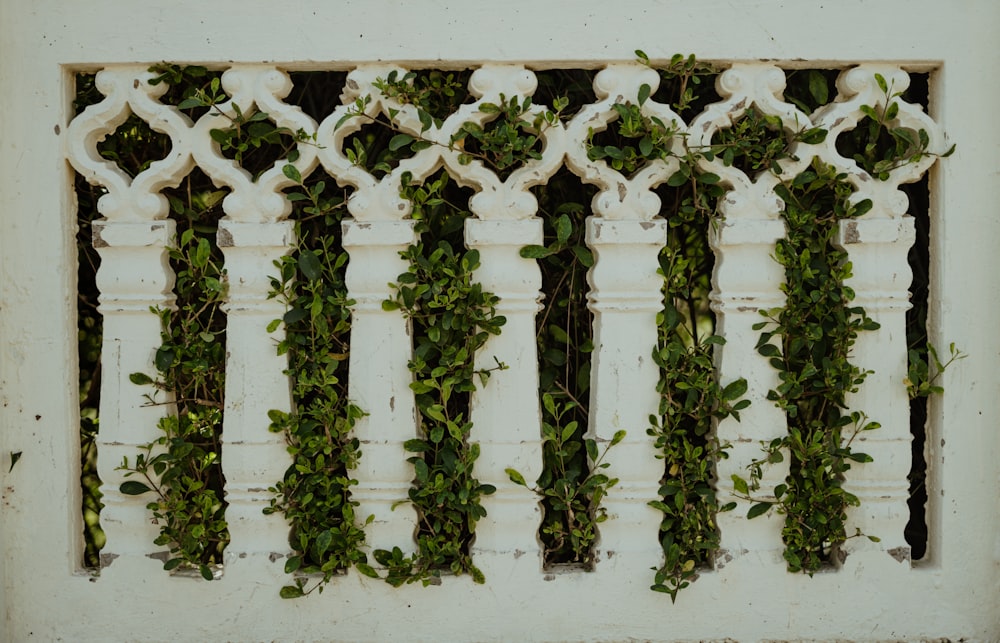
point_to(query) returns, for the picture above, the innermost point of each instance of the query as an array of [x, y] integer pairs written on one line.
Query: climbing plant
[[817, 327], [572, 483], [691, 398], [314, 495], [816, 330], [808, 340], [452, 319], [182, 468]]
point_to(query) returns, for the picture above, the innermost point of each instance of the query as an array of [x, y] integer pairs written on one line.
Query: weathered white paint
[[954, 593]]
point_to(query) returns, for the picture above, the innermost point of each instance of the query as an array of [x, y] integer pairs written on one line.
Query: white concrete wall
[[954, 592]]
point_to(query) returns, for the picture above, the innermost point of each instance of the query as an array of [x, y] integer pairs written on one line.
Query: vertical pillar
[[748, 280], [505, 412], [253, 458], [379, 381], [625, 298], [134, 276], [877, 249]]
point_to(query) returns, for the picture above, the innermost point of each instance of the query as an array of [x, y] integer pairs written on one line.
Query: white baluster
[[747, 280], [253, 458], [505, 412], [877, 249], [877, 246], [134, 276], [379, 380], [625, 298]]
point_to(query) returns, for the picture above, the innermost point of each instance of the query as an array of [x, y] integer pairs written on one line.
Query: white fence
[[875, 594]]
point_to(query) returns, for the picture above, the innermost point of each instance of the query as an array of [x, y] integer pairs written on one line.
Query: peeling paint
[[851, 234], [901, 554], [224, 238], [107, 559]]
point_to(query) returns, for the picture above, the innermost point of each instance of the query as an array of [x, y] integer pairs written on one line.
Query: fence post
[[505, 411], [134, 277], [747, 280], [625, 298], [379, 380], [877, 250], [253, 458]]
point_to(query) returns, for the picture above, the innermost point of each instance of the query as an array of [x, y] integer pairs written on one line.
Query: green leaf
[[435, 412], [398, 141], [201, 254], [818, 88], [291, 591], [366, 569], [758, 509], [292, 173], [880, 79], [140, 379], [534, 252], [164, 358], [644, 91], [768, 350], [516, 477], [564, 228], [188, 103], [425, 120], [734, 390], [323, 542], [678, 178], [310, 266], [740, 485], [133, 488], [646, 146]]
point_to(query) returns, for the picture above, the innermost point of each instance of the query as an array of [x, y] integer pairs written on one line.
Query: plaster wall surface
[[954, 593]]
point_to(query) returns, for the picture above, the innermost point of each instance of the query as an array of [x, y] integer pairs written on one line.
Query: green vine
[[505, 142], [183, 467], [817, 329], [314, 495], [452, 319], [691, 402], [925, 367], [571, 486], [808, 340]]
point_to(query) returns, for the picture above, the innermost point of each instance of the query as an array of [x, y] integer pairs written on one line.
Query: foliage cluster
[[571, 484], [808, 341], [691, 398], [314, 494], [816, 330], [452, 319], [182, 467]]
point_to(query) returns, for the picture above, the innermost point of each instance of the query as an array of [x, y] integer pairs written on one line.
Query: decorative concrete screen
[[870, 591]]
